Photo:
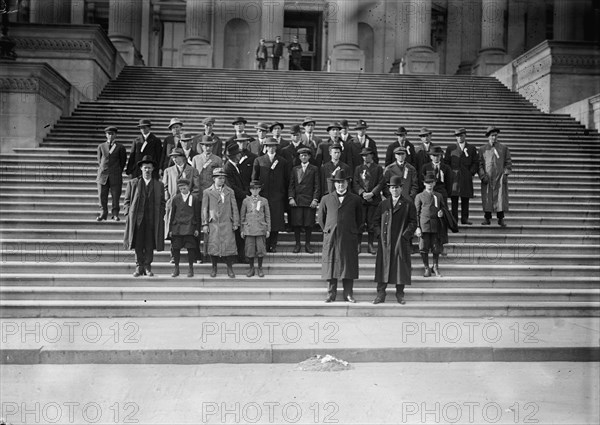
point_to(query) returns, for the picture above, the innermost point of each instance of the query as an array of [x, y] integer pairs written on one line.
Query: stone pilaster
[[565, 20], [346, 55], [77, 12], [492, 55], [62, 12], [41, 11], [271, 27], [470, 35], [124, 29], [420, 57], [196, 50]]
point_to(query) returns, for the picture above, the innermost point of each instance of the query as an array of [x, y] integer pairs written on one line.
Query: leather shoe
[[296, 249], [230, 272], [309, 249], [260, 272], [436, 271], [501, 222], [213, 272], [379, 300], [138, 272], [148, 271], [250, 272], [190, 271], [172, 260], [101, 217], [115, 218], [486, 222], [467, 222], [175, 272], [427, 272], [350, 299], [400, 299], [330, 298]]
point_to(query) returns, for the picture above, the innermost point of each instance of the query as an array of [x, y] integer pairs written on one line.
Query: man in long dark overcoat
[[340, 217], [145, 210], [396, 218]]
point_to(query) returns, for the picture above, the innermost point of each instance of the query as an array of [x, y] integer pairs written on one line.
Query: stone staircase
[[57, 261]]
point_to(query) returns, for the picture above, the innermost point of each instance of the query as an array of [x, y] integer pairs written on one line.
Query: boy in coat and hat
[[145, 145], [144, 207], [340, 217], [366, 183], [111, 162], [396, 218], [429, 213], [463, 160], [304, 194], [495, 165], [220, 220], [255, 217], [185, 226]]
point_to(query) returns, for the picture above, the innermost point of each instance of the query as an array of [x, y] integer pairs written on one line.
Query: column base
[[196, 54], [347, 58], [489, 61], [422, 60], [127, 50]]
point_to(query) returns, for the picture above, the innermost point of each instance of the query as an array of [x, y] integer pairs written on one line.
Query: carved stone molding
[[19, 84], [53, 44]]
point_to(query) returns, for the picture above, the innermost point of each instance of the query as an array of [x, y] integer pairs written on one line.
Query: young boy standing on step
[[185, 225], [256, 227], [429, 230]]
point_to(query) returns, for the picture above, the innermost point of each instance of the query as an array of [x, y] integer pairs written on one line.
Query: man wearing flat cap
[[145, 145], [463, 160], [362, 140], [171, 142], [402, 142], [273, 172], [217, 149], [112, 157], [340, 218], [206, 162], [309, 139], [144, 207], [495, 165]]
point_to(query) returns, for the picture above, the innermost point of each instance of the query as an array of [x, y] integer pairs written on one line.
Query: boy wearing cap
[[146, 144], [396, 221], [362, 140], [144, 208], [304, 194], [463, 160], [220, 219], [112, 157], [206, 162], [331, 167], [171, 142], [184, 227], [429, 213], [366, 183], [403, 142], [495, 165], [255, 217]]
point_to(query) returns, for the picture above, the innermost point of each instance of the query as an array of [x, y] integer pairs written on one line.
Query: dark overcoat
[[133, 207], [410, 180], [274, 177], [368, 179], [184, 219], [443, 184], [495, 163], [397, 226], [341, 224], [464, 164], [411, 153]]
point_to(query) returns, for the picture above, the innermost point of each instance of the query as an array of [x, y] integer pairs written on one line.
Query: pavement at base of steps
[[369, 393], [199, 340]]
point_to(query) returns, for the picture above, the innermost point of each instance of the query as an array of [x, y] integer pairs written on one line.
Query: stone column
[[470, 35], [41, 11], [124, 29], [271, 27], [196, 50], [492, 55], [565, 20], [62, 11], [420, 57], [78, 12], [346, 55]]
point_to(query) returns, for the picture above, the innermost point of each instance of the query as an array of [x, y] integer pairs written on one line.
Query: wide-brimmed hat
[[173, 122], [111, 128], [400, 150], [177, 152], [186, 137], [436, 150], [207, 140], [339, 175], [233, 149], [308, 120], [276, 123], [366, 151], [270, 141], [460, 131], [334, 125], [208, 120], [185, 181], [429, 177], [360, 124], [218, 172], [262, 126], [239, 119], [255, 184], [305, 150], [400, 130], [146, 159], [295, 129], [424, 132], [395, 181], [491, 129], [144, 122]]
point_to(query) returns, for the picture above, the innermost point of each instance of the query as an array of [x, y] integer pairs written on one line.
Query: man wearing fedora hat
[[366, 184], [144, 207], [255, 227], [309, 138], [304, 194], [220, 219], [429, 206], [146, 144], [171, 142], [257, 146], [189, 152], [290, 152], [239, 127], [322, 153], [345, 135], [275, 129], [362, 140], [463, 160], [396, 218], [340, 218], [402, 142], [206, 162], [495, 165], [112, 157], [422, 156], [209, 123], [329, 168], [273, 173], [441, 171]]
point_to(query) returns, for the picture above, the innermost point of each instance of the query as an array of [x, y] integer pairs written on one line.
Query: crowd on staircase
[[228, 197]]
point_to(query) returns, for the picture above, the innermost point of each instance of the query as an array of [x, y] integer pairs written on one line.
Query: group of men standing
[[294, 49], [336, 182]]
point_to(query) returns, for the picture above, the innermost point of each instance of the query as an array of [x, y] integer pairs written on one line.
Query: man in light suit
[[111, 162]]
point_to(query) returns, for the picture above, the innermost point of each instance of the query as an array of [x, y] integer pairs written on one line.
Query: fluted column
[[492, 55], [565, 20], [420, 57], [124, 28], [470, 35], [197, 50], [346, 55]]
